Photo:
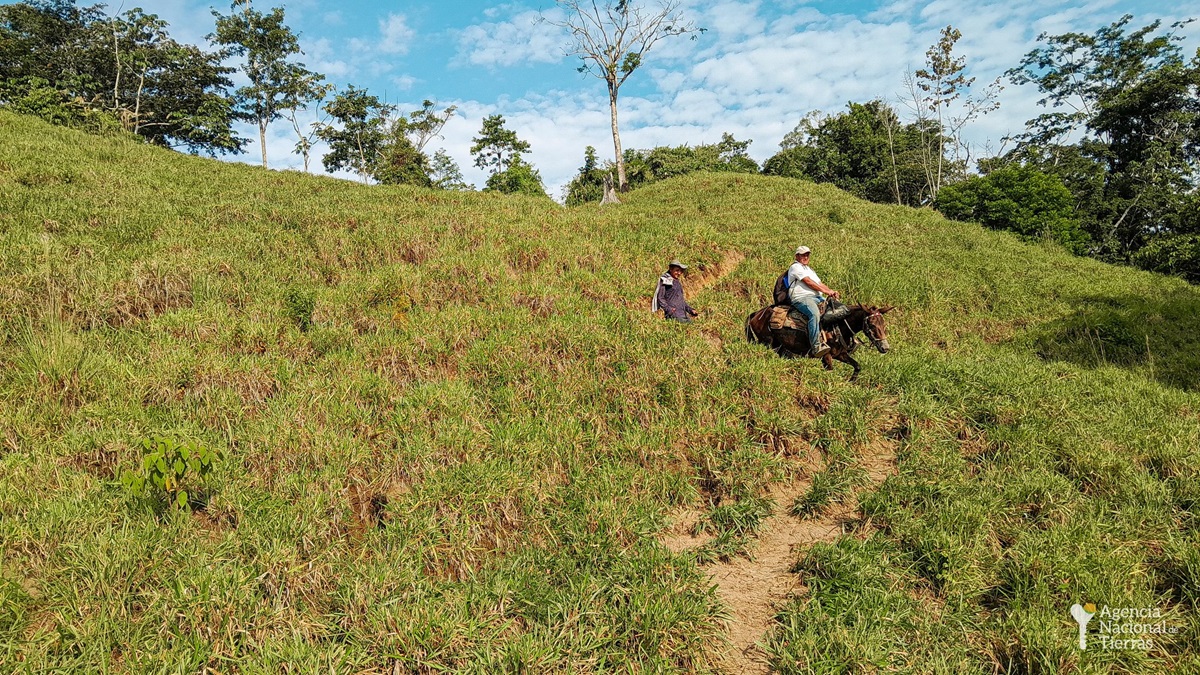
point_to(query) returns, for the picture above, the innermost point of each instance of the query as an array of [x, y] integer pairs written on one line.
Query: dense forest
[[1110, 169]]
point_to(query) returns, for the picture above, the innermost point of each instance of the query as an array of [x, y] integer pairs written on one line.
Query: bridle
[[869, 331]]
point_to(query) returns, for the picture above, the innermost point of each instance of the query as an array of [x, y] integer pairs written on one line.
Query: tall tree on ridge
[[315, 92], [933, 89], [612, 38], [445, 174], [402, 159], [276, 84], [497, 147], [357, 145]]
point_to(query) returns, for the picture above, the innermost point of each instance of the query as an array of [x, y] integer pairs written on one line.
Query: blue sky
[[758, 68]]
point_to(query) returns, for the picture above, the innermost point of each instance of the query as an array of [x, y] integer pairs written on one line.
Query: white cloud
[[733, 19], [397, 35], [322, 55], [188, 21], [524, 38]]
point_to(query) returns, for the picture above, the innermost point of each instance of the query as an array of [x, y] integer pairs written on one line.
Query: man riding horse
[[800, 289], [805, 291]]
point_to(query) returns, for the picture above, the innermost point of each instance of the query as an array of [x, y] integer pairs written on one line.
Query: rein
[[867, 329]]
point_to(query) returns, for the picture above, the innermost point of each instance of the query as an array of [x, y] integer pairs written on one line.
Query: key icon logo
[[1083, 614]]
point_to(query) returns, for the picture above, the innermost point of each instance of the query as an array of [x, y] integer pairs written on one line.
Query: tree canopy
[[1020, 199], [611, 39], [75, 65], [866, 150], [496, 146], [647, 166], [277, 84], [1123, 131]]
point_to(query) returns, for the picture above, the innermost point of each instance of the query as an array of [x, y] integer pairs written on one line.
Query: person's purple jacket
[[669, 298]]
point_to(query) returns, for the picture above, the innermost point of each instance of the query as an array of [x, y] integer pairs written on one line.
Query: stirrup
[[819, 351]]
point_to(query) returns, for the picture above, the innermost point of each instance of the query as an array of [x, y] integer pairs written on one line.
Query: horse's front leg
[[846, 358], [827, 362]]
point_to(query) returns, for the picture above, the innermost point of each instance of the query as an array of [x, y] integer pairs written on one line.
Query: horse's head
[[874, 328]]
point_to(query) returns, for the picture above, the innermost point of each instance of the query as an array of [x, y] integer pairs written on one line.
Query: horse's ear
[[885, 310]]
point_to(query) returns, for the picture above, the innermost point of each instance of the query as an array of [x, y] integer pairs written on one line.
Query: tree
[[136, 39], [1019, 199], [276, 85], [588, 184], [933, 91], [54, 41], [175, 93], [424, 125], [399, 162], [355, 145], [497, 147], [611, 38], [305, 137], [445, 174], [1132, 104], [865, 150], [519, 178], [78, 66], [371, 141], [402, 158]]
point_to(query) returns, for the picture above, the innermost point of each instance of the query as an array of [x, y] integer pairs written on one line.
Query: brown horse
[[791, 343]]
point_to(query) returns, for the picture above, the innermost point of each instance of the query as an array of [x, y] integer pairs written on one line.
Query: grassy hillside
[[453, 435]]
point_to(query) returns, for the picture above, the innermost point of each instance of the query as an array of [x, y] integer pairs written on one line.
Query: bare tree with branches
[[934, 94], [612, 37]]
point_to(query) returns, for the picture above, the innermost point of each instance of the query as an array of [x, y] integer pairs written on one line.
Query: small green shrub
[[299, 305], [829, 487], [168, 468], [733, 525], [741, 517], [1019, 199]]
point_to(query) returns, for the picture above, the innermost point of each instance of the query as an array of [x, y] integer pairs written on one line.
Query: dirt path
[[756, 589], [702, 279]]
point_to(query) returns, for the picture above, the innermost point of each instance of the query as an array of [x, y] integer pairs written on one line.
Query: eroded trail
[[757, 587], [702, 279]]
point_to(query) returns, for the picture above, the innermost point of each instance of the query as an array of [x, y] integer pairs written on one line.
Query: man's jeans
[[808, 307]]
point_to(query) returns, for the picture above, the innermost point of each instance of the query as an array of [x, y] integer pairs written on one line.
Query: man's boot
[[818, 350]]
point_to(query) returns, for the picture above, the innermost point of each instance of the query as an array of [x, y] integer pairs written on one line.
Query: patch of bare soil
[[680, 537], [702, 279], [755, 589]]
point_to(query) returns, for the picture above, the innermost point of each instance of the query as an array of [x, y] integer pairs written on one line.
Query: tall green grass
[[453, 430]]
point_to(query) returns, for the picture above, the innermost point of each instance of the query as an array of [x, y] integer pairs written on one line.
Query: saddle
[[786, 316], [789, 318]]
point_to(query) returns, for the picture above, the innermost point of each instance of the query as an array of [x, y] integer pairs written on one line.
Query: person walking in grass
[[806, 290], [668, 296]]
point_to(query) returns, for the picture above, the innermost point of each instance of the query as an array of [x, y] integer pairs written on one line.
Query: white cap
[[802, 250]]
